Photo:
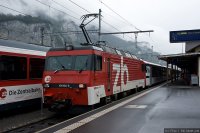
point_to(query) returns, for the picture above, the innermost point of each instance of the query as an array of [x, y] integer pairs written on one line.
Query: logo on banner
[[3, 93]]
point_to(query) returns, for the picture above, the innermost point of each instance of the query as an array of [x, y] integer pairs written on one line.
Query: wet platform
[[151, 111]]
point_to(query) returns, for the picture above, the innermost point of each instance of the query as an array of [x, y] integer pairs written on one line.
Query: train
[[21, 70], [94, 73], [88, 75]]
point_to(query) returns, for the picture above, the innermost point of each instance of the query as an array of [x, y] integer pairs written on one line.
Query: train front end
[[67, 75]]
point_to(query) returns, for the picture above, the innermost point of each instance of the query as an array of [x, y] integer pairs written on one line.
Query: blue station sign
[[184, 36]]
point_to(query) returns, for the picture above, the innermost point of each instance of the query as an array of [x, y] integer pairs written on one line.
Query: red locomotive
[[76, 76], [84, 75]]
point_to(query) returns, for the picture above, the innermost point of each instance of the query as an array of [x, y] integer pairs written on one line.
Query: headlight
[[46, 85], [82, 85]]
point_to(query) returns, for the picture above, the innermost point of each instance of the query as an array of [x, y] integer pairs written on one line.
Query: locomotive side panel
[[115, 74], [131, 74], [98, 86]]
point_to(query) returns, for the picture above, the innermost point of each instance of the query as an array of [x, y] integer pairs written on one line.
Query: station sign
[[184, 36]]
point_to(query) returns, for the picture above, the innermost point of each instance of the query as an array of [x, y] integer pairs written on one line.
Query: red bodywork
[[21, 69], [80, 96]]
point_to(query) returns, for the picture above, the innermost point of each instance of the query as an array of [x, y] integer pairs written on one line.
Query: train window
[[54, 63], [155, 71], [144, 68], [72, 62], [98, 63], [36, 68], [12, 67], [148, 69], [82, 62]]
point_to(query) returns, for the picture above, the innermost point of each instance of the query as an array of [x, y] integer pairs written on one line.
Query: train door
[[148, 74], [108, 74]]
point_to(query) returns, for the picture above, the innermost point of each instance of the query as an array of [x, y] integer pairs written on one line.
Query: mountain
[[58, 32]]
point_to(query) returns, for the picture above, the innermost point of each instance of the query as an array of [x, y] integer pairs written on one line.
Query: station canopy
[[184, 60]]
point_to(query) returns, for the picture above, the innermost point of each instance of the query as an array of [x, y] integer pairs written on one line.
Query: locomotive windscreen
[[69, 62]]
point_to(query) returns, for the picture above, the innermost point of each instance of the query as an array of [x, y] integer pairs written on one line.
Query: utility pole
[[99, 25], [42, 35]]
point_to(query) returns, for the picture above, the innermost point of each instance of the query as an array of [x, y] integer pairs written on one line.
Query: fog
[[161, 16]]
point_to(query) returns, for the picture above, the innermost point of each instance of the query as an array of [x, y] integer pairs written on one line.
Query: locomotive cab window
[[98, 63], [36, 68], [82, 62], [12, 67], [68, 62]]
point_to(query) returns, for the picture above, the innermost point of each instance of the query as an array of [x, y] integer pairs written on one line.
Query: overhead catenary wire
[[79, 6], [49, 6], [68, 32], [110, 25], [15, 10], [119, 15], [112, 16], [19, 13], [57, 9], [64, 7], [123, 18], [115, 28], [102, 20]]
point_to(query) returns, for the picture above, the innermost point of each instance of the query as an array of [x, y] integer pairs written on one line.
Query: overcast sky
[[161, 16]]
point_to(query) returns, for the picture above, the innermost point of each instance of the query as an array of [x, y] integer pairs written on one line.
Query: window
[[12, 67], [144, 68], [68, 62], [59, 63], [98, 63], [36, 68], [82, 62]]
